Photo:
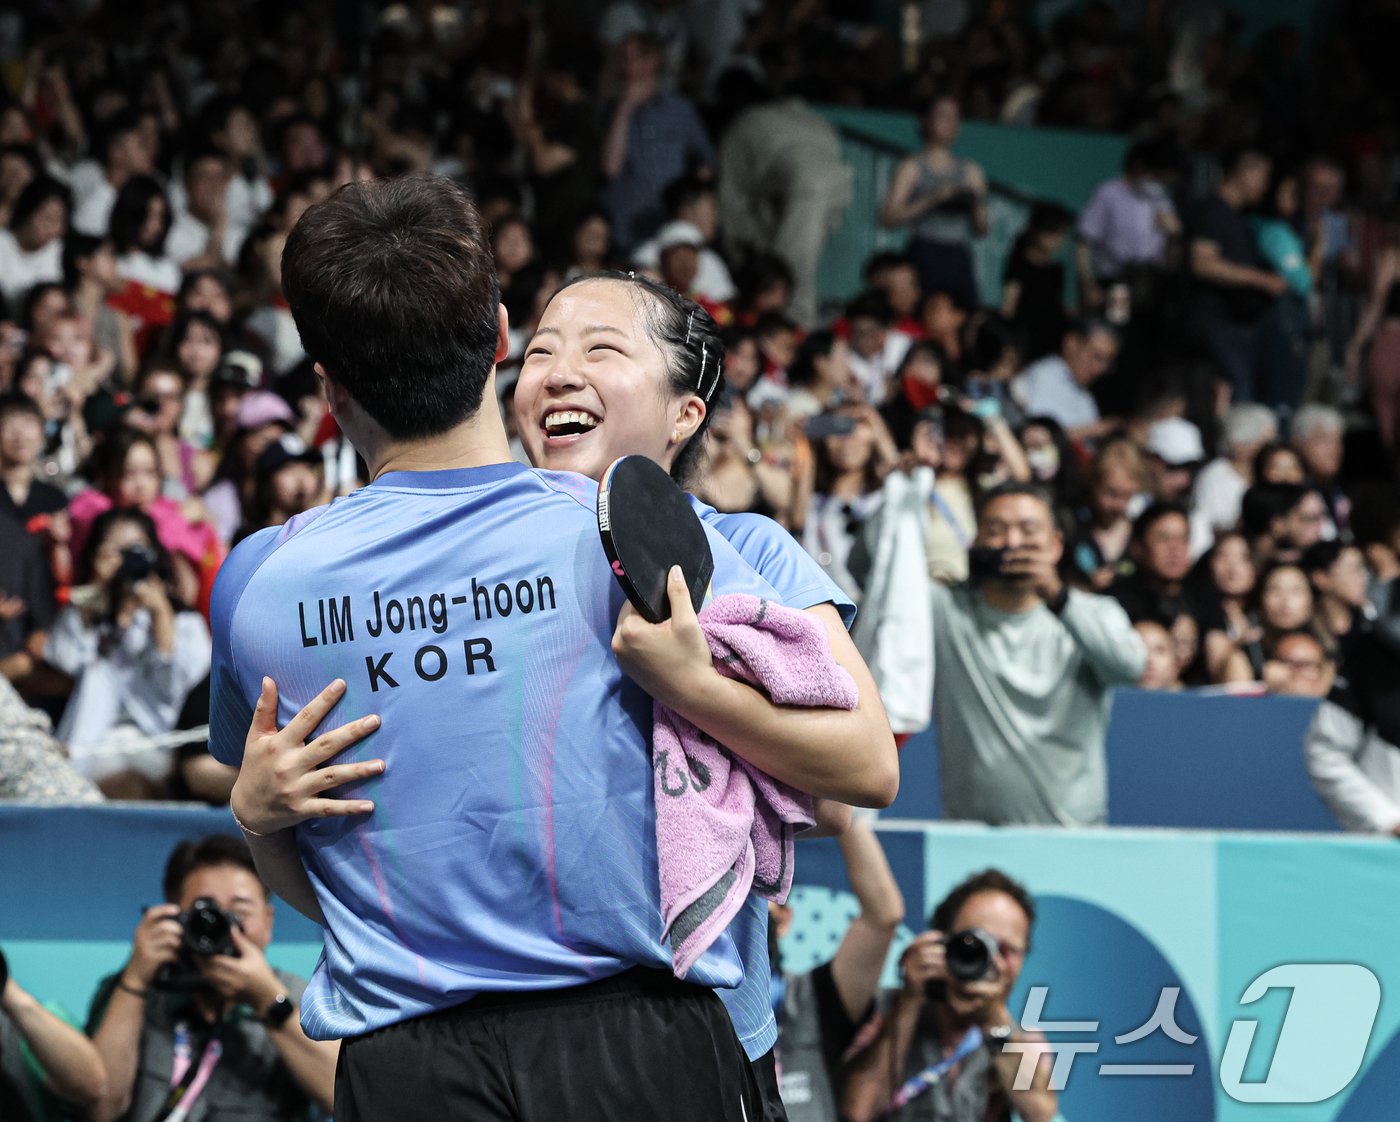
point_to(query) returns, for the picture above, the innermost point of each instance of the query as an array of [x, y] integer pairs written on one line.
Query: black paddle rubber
[[647, 525]]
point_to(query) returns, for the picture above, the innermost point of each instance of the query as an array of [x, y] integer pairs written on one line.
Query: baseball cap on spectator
[[262, 407], [280, 453], [240, 368], [1176, 442], [103, 410], [679, 233]]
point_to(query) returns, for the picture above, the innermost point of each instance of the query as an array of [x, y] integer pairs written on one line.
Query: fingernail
[[372, 721], [676, 573]]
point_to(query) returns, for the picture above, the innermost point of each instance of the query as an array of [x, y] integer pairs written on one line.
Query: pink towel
[[724, 828]]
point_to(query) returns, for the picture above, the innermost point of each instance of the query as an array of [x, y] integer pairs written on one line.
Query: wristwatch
[[996, 1038], [279, 1012]]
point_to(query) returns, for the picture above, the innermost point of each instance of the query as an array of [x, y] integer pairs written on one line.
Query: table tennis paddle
[[647, 525]]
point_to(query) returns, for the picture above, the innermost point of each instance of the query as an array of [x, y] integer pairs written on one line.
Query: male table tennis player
[[491, 932]]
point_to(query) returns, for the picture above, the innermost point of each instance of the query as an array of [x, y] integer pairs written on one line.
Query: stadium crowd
[[1200, 368]]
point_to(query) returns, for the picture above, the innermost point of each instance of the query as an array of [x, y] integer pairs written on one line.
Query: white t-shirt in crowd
[[20, 270], [159, 273], [1047, 388]]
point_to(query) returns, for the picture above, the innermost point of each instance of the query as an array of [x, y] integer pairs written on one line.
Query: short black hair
[[16, 402], [988, 880], [685, 191], [76, 249], [1322, 555], [885, 259], [1241, 154], [1012, 489], [1153, 513], [873, 304], [118, 125], [1264, 502], [393, 288], [38, 191], [129, 215], [211, 852], [803, 369], [689, 340]]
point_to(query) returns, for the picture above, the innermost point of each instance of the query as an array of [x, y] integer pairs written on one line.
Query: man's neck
[[1013, 599], [478, 442], [18, 479]]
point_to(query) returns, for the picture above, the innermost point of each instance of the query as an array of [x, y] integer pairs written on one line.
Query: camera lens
[[206, 928], [969, 955]]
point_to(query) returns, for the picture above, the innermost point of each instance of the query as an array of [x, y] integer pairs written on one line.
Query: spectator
[[1117, 476], [1298, 665], [202, 236], [1341, 590], [938, 1016], [1281, 520], [1054, 464], [265, 1066], [943, 317], [918, 386], [894, 274], [196, 343], [69, 1068], [942, 198], [262, 418], [121, 153], [160, 397], [1224, 591], [139, 226], [34, 766], [134, 651], [20, 165], [851, 455], [1161, 671], [821, 1011], [876, 349], [1221, 484], [1282, 603], [1024, 666], [653, 139], [1156, 589], [1317, 434], [290, 479], [1234, 288], [1128, 223], [91, 279], [782, 186], [1278, 462], [25, 497], [1285, 333], [694, 202], [26, 602], [1379, 330], [1058, 385], [591, 244], [820, 376], [1033, 291], [1353, 744], [31, 248], [1174, 453]]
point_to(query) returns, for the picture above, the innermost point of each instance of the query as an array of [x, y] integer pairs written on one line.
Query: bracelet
[[121, 985], [250, 833]]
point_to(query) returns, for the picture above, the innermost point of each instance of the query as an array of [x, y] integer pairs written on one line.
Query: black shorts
[[638, 1047]]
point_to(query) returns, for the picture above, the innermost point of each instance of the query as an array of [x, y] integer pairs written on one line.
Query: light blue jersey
[[800, 583], [513, 844]]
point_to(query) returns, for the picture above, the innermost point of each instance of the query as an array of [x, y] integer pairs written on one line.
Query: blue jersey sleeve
[[799, 581], [232, 696]]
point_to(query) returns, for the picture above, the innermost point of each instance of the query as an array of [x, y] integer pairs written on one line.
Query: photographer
[[218, 1030], [941, 1052], [69, 1067], [134, 651], [1024, 669]]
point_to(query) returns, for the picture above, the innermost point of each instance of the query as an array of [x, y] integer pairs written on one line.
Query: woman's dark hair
[[689, 340], [928, 349], [1070, 487], [103, 525], [129, 216], [194, 276], [26, 152], [1268, 452], [393, 288], [31, 301], [824, 472], [108, 460], [77, 248], [1255, 600], [1201, 579], [36, 193], [803, 371], [989, 880], [990, 338], [175, 334]]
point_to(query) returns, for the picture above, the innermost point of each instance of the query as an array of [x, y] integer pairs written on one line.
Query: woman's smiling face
[[593, 384]]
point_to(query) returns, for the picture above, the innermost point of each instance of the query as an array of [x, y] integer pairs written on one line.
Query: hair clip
[[705, 394], [690, 323]]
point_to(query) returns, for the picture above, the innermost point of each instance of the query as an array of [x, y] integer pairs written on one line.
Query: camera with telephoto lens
[[138, 562], [970, 955], [207, 930]]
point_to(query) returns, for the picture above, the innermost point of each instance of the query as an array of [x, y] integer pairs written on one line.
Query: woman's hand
[[283, 781], [670, 660]]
